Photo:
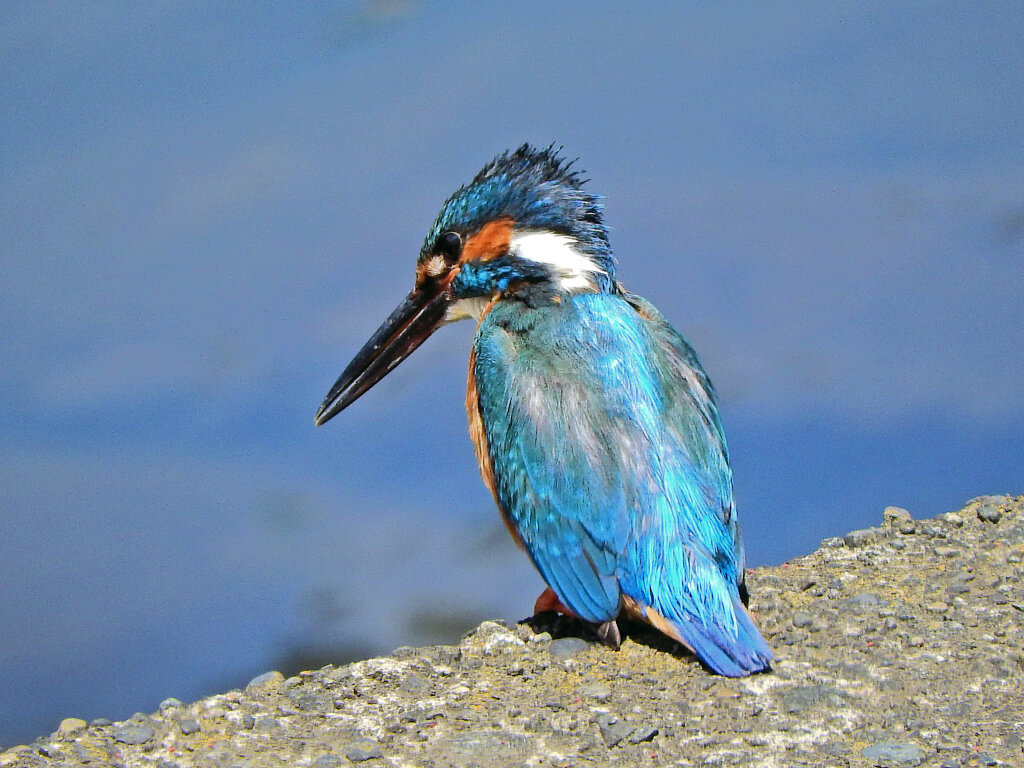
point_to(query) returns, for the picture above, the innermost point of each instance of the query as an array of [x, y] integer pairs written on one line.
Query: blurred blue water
[[204, 212]]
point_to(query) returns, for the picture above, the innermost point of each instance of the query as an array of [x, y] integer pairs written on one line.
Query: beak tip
[[408, 326], [323, 415]]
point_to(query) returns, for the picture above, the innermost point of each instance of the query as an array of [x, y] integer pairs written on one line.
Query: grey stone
[[70, 726], [266, 724], [864, 599], [613, 728], [170, 703], [309, 701], [363, 749], [802, 619], [990, 513], [188, 726], [598, 691], [896, 515], [889, 754], [564, 647], [498, 743], [642, 734], [952, 518], [134, 734], [807, 696], [266, 680], [861, 538], [327, 761], [94, 752]]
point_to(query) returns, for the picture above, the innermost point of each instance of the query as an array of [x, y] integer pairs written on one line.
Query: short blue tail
[[737, 656]]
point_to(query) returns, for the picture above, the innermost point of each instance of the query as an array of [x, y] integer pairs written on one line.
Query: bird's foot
[[608, 631], [609, 634]]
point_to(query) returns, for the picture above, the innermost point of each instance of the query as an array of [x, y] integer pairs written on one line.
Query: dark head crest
[[537, 188]]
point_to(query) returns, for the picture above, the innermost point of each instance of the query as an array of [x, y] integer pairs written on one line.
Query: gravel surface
[[900, 645]]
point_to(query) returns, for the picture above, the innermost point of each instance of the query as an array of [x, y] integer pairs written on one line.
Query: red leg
[[548, 601]]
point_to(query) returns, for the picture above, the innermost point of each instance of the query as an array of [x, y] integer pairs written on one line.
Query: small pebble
[[266, 725], [952, 518], [613, 728], [70, 725], [564, 647], [802, 619], [170, 703], [990, 514], [598, 691], [134, 734], [266, 681], [889, 754], [363, 749], [895, 515], [642, 734], [864, 599], [861, 538], [796, 700]]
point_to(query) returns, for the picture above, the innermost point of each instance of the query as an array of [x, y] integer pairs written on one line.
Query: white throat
[[575, 270]]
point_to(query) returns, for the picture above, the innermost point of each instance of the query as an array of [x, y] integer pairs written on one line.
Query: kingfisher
[[593, 421]]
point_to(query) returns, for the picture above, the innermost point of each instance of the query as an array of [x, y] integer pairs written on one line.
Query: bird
[[594, 424]]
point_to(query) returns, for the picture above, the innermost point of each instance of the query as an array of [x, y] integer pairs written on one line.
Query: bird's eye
[[450, 245]]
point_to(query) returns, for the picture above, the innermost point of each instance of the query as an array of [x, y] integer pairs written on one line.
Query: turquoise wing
[[608, 458]]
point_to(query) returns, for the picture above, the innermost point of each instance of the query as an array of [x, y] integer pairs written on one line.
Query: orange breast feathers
[[479, 437]]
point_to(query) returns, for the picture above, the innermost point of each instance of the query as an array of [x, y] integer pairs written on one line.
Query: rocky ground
[[899, 645]]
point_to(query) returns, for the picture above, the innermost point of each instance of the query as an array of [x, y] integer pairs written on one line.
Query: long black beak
[[406, 328]]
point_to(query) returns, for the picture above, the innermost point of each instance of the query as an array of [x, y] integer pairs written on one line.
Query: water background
[[206, 209]]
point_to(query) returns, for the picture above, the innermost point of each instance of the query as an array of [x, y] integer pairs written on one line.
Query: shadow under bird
[[594, 424]]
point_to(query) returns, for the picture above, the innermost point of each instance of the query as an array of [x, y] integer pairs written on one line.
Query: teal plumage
[[595, 425]]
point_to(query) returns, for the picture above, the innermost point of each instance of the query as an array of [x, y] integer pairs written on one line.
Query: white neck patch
[[463, 309], [574, 268]]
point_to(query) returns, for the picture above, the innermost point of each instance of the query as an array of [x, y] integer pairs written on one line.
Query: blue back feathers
[[608, 457]]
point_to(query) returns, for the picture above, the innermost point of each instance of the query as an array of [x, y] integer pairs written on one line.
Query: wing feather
[[606, 454]]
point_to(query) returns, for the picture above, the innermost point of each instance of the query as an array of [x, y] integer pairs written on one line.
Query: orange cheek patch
[[490, 242]]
